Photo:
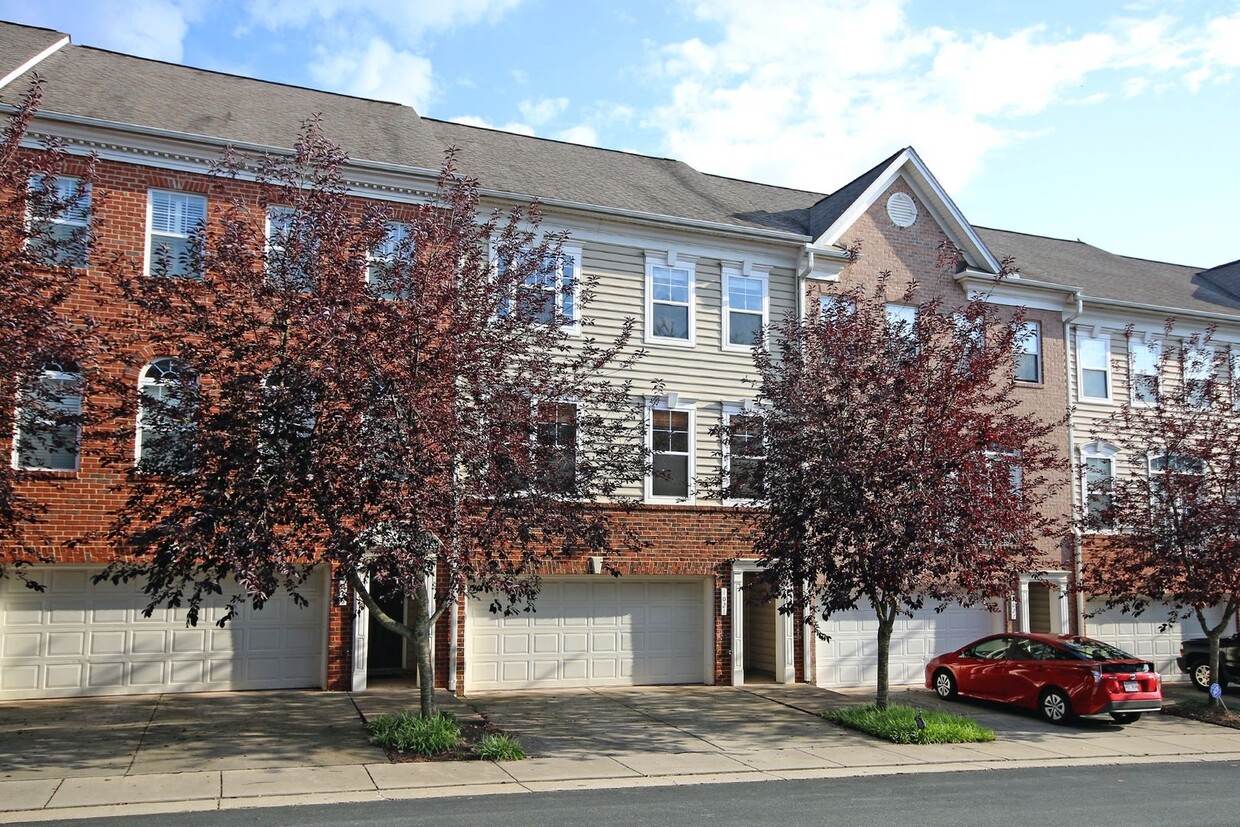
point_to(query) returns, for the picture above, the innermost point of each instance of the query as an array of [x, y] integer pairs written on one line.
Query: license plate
[[1132, 686]]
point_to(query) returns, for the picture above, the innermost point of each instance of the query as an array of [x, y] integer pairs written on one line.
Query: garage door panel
[[850, 657], [78, 638], [1143, 636], [591, 633]]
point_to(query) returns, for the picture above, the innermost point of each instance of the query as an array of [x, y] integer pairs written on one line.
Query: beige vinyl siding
[[705, 373]]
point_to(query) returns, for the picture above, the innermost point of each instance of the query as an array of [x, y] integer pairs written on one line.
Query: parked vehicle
[[1059, 676], [1194, 661]]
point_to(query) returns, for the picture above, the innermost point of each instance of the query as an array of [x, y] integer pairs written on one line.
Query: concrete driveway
[[140, 734]]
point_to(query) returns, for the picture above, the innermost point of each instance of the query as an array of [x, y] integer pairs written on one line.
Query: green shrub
[[898, 724], [500, 747], [407, 731]]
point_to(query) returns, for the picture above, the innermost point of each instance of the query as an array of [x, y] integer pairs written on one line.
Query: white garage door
[[80, 639], [850, 657], [591, 631], [1141, 636]]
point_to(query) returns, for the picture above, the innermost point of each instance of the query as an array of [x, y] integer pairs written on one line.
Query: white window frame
[[538, 421], [571, 322], [182, 235], [762, 276], [270, 247], [16, 463], [1234, 359], [1031, 337], [1147, 347], [676, 404], [1094, 450], [1204, 373], [1105, 340], [729, 411], [671, 260], [145, 382], [906, 313], [82, 223]]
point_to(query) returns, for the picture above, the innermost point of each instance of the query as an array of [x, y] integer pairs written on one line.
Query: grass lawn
[[898, 724]]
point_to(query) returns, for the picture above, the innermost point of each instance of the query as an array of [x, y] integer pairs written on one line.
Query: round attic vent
[[901, 209]]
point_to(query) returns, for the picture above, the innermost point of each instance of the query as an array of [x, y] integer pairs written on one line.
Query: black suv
[[1194, 660]]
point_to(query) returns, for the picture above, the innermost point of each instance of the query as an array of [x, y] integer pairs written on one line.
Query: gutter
[[428, 175]]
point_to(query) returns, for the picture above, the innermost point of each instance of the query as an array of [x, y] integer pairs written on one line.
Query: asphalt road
[[1189, 793]]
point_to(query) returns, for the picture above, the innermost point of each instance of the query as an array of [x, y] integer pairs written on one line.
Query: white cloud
[[542, 110], [377, 71], [761, 101], [474, 120], [148, 28], [580, 134], [410, 19]]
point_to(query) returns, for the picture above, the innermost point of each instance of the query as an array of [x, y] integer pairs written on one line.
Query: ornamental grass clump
[[500, 747], [408, 731], [898, 724]]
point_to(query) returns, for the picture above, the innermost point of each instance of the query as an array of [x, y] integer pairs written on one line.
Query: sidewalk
[[1163, 739]]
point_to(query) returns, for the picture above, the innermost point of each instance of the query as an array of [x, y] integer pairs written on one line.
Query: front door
[[386, 652]]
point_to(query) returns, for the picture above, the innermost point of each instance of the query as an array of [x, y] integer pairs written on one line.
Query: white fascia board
[[34, 61], [945, 211], [1126, 310], [1035, 295]]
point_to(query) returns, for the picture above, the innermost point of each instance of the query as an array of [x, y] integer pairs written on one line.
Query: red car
[[1059, 676]]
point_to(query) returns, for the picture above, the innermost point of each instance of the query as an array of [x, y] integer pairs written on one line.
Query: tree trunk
[[423, 626], [886, 622]]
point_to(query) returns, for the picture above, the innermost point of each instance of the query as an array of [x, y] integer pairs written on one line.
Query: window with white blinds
[[175, 218]]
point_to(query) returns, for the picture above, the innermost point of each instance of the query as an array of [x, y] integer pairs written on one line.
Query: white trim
[[785, 639], [674, 403], [1059, 612], [731, 409], [15, 456], [761, 275], [670, 260], [1148, 345], [1034, 337], [917, 175], [34, 61], [361, 638]]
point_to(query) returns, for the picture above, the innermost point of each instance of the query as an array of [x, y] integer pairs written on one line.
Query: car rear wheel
[[945, 685], [1054, 706], [1126, 717]]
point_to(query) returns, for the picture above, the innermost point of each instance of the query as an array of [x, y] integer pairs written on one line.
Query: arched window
[[49, 420], [167, 401]]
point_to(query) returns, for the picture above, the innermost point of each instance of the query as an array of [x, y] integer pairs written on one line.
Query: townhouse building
[[700, 261]]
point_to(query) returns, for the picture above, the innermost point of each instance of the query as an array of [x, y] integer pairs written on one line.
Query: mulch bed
[[1201, 712], [471, 735]]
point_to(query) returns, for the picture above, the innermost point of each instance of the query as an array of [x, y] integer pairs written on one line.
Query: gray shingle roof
[[19, 44], [1108, 276]]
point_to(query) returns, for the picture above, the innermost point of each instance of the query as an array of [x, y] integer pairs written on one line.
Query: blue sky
[[1111, 122]]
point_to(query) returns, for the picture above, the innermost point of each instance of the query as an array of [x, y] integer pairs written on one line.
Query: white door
[[80, 639], [850, 657], [591, 631], [1143, 637]]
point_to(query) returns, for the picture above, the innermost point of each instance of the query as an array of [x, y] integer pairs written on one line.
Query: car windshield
[[1091, 649]]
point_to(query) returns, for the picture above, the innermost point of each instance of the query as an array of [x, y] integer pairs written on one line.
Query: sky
[[1111, 122]]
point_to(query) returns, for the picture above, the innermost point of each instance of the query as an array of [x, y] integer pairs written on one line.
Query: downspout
[[1078, 607], [802, 275]]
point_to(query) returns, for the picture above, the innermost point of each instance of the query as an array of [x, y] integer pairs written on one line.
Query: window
[[1005, 466], [59, 212], [1029, 353], [1176, 481], [1146, 358], [1094, 360], [551, 292], [556, 441], [901, 320], [1198, 376], [745, 454], [745, 308], [165, 438], [175, 219], [669, 302], [1097, 484], [671, 446], [385, 276], [48, 420], [290, 249]]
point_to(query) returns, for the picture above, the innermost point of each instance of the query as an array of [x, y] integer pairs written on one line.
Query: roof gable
[[841, 210]]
